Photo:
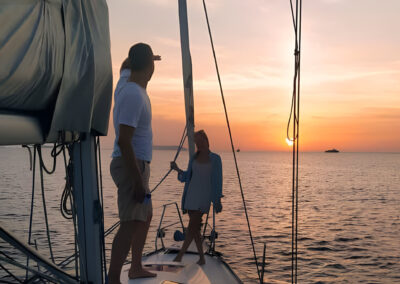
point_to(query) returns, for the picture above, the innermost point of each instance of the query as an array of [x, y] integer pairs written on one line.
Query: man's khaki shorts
[[128, 208]]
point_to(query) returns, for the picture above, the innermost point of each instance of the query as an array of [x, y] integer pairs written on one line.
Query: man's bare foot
[[177, 258], [201, 261], [140, 274]]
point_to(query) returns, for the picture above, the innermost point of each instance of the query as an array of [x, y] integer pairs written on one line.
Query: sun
[[289, 142]]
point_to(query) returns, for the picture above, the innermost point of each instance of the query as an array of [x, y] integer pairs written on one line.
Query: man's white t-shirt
[[132, 108]]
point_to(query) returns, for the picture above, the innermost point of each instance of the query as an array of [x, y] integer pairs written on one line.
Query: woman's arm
[[182, 175]]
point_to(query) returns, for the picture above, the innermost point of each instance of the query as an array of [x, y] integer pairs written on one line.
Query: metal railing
[[161, 230]]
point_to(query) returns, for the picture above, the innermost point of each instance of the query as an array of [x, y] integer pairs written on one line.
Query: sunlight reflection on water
[[349, 212]]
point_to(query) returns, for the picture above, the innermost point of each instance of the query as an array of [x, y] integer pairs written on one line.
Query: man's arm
[[129, 158]]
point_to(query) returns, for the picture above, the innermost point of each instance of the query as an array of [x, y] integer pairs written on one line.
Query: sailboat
[[58, 90]]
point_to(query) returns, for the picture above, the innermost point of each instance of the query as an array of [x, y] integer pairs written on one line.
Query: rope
[[10, 274], [7, 271], [68, 213], [85, 268], [30, 155], [100, 179], [32, 203], [68, 195], [183, 138], [42, 167], [295, 112], [231, 140]]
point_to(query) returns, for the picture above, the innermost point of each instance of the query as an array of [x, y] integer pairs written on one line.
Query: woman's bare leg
[[194, 224], [197, 236]]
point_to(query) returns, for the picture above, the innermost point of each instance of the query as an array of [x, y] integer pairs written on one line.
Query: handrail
[[160, 228]]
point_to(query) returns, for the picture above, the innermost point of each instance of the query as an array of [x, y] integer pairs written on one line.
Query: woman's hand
[[174, 166]]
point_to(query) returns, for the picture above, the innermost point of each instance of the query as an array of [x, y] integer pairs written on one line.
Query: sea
[[348, 212]]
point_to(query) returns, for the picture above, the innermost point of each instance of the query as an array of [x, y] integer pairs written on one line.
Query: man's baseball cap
[[141, 55]]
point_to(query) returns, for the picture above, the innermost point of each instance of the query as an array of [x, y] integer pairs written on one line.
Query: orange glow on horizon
[[349, 83]]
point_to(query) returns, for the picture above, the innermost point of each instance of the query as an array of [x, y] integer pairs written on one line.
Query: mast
[[86, 198], [187, 74]]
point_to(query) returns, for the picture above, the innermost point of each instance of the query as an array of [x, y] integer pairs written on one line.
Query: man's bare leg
[[138, 241], [120, 249]]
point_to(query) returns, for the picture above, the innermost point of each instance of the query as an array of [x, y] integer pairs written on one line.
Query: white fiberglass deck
[[188, 271]]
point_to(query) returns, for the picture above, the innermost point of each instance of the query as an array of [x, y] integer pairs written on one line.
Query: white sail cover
[[56, 64]]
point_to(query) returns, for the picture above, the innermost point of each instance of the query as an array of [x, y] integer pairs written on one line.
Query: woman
[[203, 185]]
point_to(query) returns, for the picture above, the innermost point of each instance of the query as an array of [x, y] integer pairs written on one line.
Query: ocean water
[[349, 212]]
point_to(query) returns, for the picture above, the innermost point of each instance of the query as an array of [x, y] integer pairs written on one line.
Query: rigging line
[[293, 204], [231, 139], [10, 274], [30, 155], [41, 167], [100, 180], [183, 138], [83, 208], [32, 203], [67, 192], [298, 24], [36, 272], [295, 110], [290, 115], [184, 135], [68, 176], [296, 53], [81, 191], [100, 171], [293, 18], [293, 179], [6, 270], [298, 131]]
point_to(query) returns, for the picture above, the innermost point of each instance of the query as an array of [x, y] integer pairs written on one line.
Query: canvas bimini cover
[[55, 72]]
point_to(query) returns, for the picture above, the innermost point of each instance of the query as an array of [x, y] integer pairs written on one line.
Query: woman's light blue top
[[216, 179]]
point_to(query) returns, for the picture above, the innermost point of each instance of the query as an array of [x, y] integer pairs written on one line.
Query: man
[[130, 167]]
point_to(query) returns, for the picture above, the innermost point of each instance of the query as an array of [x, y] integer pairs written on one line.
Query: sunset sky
[[350, 88]]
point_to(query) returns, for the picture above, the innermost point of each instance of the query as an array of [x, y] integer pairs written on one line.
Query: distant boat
[[163, 147], [238, 150], [332, 151]]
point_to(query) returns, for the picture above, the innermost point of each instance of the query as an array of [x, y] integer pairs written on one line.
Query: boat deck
[[215, 270]]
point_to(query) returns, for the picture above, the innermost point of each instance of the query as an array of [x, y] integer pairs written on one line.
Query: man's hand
[[218, 207], [139, 193]]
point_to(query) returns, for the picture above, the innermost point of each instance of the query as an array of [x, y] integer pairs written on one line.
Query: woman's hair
[[204, 135]]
